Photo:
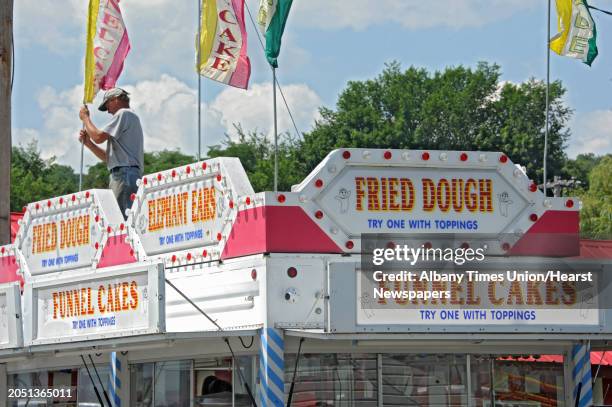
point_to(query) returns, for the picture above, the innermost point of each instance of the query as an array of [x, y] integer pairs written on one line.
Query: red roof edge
[[595, 249], [15, 218]]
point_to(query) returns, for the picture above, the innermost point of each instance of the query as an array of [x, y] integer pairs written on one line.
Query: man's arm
[[95, 135], [98, 152]]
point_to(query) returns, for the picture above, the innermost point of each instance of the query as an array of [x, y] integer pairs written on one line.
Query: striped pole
[[581, 374], [119, 380], [271, 368]]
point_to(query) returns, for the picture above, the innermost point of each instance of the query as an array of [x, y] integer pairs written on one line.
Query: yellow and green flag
[[577, 33], [272, 18]]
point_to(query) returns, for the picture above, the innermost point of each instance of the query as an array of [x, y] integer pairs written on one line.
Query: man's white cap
[[108, 95]]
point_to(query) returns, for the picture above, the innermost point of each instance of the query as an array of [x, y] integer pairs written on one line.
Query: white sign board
[[188, 209], [67, 232], [508, 295], [506, 301], [117, 301], [421, 200], [419, 193], [10, 316]]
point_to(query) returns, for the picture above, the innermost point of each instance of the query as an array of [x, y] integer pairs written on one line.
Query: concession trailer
[[207, 293]]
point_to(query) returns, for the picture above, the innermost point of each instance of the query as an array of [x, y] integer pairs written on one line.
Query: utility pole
[[557, 185], [6, 68]]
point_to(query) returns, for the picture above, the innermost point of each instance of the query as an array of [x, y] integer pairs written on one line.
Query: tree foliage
[[33, 178], [457, 109], [580, 167], [165, 159], [596, 213], [256, 153]]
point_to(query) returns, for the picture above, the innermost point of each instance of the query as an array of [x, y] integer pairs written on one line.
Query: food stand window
[[528, 384], [217, 383], [161, 384], [141, 385], [480, 380], [424, 380], [334, 379], [86, 394]]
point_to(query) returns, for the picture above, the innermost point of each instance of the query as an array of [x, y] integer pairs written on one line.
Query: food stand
[[217, 289]]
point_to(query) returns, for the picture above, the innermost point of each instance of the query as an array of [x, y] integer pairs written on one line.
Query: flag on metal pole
[[577, 32], [107, 47], [272, 17], [222, 43]]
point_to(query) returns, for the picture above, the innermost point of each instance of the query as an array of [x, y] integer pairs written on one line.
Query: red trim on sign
[[555, 234], [278, 229], [116, 251], [8, 270], [15, 218]]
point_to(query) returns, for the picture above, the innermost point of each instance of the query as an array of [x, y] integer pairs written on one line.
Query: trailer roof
[[595, 249]]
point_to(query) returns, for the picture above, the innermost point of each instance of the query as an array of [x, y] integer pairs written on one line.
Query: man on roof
[[124, 153]]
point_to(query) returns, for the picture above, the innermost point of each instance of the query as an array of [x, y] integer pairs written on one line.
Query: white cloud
[[164, 32], [59, 26], [25, 136], [58, 137], [253, 108], [168, 111], [412, 14], [591, 133]]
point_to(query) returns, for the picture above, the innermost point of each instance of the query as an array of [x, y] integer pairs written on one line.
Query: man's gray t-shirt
[[124, 147]]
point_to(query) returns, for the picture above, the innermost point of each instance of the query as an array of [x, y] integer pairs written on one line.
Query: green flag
[[272, 18]]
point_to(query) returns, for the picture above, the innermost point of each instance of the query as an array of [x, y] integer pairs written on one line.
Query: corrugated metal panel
[[595, 249]]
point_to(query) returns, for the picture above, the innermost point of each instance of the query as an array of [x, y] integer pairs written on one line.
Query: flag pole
[[547, 98], [199, 81], [81, 168], [275, 130], [82, 149]]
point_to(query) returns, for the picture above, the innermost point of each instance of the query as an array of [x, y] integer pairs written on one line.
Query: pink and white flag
[[222, 46], [107, 47]]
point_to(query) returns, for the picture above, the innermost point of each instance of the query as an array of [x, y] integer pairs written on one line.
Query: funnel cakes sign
[[118, 301]]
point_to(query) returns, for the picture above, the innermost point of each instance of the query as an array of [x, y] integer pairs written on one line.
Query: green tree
[[596, 213], [34, 178], [580, 168], [256, 153], [457, 109], [98, 175], [165, 159], [518, 125]]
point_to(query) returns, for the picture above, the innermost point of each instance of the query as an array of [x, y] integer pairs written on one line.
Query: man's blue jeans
[[123, 183]]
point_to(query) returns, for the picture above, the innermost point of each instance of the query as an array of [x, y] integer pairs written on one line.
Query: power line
[[603, 11], [277, 83]]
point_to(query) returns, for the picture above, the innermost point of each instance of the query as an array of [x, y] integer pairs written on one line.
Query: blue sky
[[325, 45]]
